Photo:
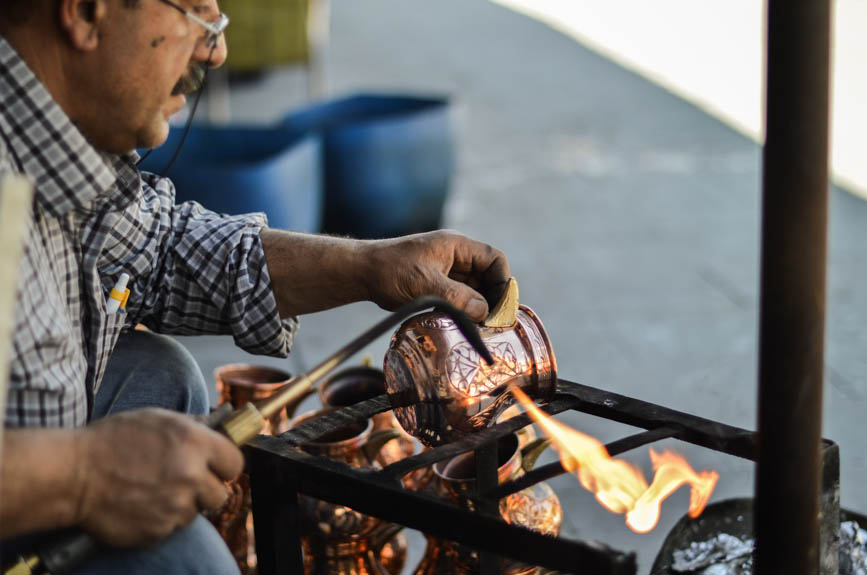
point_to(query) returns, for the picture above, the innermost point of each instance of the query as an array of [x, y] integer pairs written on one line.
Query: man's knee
[[151, 370], [196, 549]]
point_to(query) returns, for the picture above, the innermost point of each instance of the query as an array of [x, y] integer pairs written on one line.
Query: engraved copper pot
[[441, 389], [536, 507]]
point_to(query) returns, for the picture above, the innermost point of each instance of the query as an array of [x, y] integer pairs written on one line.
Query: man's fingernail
[[477, 309]]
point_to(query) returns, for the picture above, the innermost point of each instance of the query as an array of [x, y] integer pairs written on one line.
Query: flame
[[619, 486]]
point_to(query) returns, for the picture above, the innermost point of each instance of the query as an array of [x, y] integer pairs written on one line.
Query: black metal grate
[[279, 472]]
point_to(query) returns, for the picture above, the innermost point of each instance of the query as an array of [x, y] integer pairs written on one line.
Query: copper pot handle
[[531, 452], [376, 441]]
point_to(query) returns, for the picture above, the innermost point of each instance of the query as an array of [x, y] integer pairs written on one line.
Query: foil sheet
[[853, 549], [723, 555], [729, 555]]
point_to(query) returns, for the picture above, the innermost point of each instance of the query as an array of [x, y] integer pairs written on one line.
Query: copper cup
[[536, 507], [441, 389], [238, 384], [242, 383]]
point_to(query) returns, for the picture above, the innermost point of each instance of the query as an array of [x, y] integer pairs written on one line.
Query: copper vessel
[[536, 507], [238, 384], [356, 384], [361, 556], [392, 555], [338, 539], [441, 389], [353, 557], [355, 444]]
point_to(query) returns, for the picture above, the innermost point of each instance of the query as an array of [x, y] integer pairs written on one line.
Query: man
[[82, 84]]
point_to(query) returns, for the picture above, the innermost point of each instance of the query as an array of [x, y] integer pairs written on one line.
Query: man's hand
[[313, 272], [145, 473], [470, 275]]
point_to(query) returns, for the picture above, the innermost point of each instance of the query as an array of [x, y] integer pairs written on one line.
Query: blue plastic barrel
[[388, 162], [242, 169]]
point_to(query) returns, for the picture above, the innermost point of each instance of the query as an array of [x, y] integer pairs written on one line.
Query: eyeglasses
[[212, 29]]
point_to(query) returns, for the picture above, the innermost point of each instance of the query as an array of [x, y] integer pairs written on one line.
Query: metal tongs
[[241, 425]]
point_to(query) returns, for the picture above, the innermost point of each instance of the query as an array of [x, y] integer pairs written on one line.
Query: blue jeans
[[150, 370]]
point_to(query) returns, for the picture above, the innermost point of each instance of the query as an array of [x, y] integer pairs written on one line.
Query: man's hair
[[17, 11]]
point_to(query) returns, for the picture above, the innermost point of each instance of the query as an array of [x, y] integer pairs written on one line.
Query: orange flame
[[619, 486]]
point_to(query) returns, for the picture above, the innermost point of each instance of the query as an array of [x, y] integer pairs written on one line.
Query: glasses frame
[[214, 29]]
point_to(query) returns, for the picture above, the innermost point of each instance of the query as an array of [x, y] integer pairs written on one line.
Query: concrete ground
[[630, 218]]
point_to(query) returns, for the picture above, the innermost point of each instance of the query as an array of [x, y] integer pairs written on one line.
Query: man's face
[[134, 81]]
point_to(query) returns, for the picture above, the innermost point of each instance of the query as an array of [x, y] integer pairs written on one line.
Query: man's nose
[[217, 57]]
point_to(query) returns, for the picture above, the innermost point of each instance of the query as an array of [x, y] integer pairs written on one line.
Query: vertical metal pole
[[792, 300]]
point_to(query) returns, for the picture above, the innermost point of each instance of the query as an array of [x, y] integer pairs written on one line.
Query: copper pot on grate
[[356, 384], [536, 507], [338, 539]]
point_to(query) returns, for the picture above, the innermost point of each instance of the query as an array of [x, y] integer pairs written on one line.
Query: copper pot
[[536, 507], [356, 384], [353, 557], [242, 383], [441, 389], [238, 384], [355, 444]]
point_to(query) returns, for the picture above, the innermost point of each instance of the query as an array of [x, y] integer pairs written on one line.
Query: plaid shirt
[[94, 217]]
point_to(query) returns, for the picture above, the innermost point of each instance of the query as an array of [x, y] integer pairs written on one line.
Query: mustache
[[192, 81]]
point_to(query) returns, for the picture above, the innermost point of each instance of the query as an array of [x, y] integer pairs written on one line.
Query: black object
[[792, 299]]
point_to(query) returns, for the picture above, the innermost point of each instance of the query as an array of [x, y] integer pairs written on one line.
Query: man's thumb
[[465, 298]]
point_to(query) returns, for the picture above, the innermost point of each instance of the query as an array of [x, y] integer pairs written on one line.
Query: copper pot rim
[[352, 371], [360, 437], [221, 371], [440, 467]]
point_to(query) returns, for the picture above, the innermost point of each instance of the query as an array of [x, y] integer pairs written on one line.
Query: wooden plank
[[16, 194]]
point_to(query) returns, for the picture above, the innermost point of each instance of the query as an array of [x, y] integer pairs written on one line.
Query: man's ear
[[80, 19]]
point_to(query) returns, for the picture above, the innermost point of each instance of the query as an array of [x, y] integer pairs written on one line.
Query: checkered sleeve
[[210, 276]]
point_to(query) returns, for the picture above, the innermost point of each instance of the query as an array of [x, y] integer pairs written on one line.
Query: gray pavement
[[630, 218]]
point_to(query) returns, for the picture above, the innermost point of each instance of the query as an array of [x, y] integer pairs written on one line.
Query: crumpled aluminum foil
[[723, 555], [853, 549], [729, 555]]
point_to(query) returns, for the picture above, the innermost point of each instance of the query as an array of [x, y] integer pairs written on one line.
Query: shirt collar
[[67, 172]]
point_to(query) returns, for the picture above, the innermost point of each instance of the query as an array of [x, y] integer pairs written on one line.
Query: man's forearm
[[40, 480], [323, 271]]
